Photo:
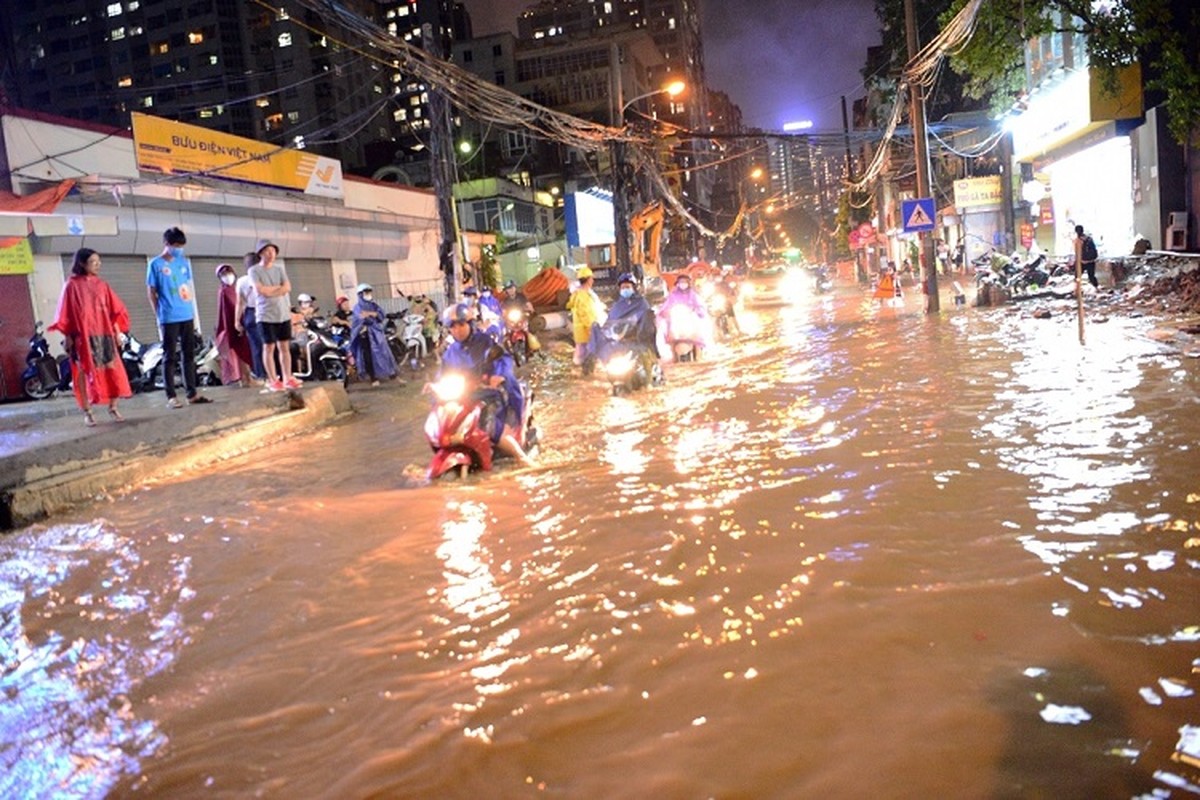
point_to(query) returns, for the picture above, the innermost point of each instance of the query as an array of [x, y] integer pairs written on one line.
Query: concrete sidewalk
[[50, 461]]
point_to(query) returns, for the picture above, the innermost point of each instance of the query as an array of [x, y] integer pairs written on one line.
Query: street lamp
[[617, 156]]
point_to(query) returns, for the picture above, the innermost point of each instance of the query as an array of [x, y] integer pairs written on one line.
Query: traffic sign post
[[918, 214]]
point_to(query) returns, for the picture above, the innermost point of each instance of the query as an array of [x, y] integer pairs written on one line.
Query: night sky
[[780, 60]]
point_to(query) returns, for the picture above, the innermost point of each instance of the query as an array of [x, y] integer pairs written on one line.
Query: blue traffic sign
[[918, 214]]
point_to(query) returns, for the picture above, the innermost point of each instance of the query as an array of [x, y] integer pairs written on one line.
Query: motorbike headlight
[[514, 315], [452, 386], [619, 365], [717, 302]]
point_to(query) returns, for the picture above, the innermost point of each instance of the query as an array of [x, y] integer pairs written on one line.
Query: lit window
[[402, 11], [400, 114], [195, 37], [285, 40], [117, 34], [274, 121], [113, 10], [158, 48], [147, 102], [671, 24], [136, 30], [133, 5], [294, 117], [262, 102], [125, 80], [414, 101], [212, 59], [391, 28], [206, 113]]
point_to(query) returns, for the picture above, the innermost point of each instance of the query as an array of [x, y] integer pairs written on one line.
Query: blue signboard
[[918, 214]]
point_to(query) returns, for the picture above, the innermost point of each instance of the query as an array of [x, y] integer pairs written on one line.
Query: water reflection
[[86, 620]]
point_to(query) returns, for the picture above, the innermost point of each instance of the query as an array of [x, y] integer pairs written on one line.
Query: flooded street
[[859, 553]]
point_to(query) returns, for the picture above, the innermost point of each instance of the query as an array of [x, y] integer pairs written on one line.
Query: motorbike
[[143, 363], [994, 267], [719, 303], [822, 281], [627, 363], [684, 333], [208, 365], [320, 357], [459, 425], [44, 374], [516, 334]]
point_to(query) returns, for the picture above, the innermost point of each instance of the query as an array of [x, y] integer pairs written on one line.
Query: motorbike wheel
[[333, 371], [520, 352], [35, 390]]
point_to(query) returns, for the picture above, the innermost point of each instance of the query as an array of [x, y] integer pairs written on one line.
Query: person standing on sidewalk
[[231, 343], [274, 316], [92, 319], [246, 318], [1086, 255], [173, 296]]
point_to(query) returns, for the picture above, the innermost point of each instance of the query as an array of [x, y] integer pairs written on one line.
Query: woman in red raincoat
[[91, 318], [233, 345]]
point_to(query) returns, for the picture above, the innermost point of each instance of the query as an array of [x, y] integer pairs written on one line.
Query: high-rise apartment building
[[280, 73]]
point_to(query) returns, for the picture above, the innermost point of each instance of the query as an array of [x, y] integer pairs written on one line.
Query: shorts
[[273, 332]]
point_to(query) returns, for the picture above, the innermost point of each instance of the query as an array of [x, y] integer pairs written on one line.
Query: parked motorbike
[[43, 374], [208, 365], [320, 357], [627, 363], [143, 363], [459, 426], [994, 267]]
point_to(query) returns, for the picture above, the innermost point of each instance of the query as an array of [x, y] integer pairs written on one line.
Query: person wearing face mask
[[368, 339], [633, 306], [232, 344], [173, 296], [684, 316]]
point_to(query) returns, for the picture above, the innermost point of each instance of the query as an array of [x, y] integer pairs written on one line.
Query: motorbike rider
[[489, 319], [367, 338], [303, 316], [476, 352], [512, 298], [341, 314], [683, 295], [726, 285], [632, 305]]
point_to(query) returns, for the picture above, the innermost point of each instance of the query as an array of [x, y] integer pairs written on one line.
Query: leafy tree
[[1162, 35]]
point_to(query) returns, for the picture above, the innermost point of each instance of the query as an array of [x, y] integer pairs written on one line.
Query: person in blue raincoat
[[631, 305], [477, 353], [367, 337]]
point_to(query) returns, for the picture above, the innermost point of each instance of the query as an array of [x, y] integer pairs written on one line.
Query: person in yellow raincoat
[[587, 309]]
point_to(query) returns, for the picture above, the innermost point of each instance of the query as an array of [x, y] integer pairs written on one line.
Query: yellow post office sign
[[176, 148]]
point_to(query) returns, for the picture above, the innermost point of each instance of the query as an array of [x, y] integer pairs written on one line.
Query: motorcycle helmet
[[461, 313], [470, 290], [363, 287], [304, 298], [626, 277], [510, 284]]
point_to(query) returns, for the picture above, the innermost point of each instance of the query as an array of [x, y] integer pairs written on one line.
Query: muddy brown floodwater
[[859, 553]]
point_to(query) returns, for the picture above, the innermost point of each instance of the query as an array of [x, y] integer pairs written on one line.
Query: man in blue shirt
[[173, 296]]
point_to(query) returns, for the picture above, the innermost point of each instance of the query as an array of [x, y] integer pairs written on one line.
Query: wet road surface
[[858, 553]]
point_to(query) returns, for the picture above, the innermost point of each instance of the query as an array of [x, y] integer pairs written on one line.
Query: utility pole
[[441, 153], [860, 256], [921, 147]]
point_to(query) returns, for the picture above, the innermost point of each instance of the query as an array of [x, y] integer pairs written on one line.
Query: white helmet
[[305, 298], [363, 287]]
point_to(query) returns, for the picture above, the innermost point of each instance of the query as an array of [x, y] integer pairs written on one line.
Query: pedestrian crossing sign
[[917, 214]]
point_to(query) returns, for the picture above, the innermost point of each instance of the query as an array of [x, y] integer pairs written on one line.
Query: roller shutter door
[[376, 274], [127, 276], [312, 276]]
